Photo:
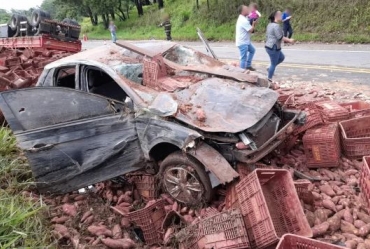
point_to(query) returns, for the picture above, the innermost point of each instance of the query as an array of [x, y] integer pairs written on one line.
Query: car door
[[72, 138]]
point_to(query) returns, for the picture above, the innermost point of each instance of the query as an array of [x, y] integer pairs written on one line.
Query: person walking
[[287, 27], [243, 38], [274, 37], [113, 29]]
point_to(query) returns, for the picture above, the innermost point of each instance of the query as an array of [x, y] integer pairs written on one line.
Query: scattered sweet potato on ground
[[69, 209], [99, 230], [60, 220], [119, 243], [320, 229]]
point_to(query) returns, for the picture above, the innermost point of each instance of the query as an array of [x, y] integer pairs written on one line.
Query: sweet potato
[[361, 246], [347, 216], [86, 215], [310, 218], [334, 223], [99, 230], [320, 229], [359, 223], [61, 231], [350, 172], [321, 215], [125, 222], [329, 205], [184, 210], [347, 227], [367, 243], [89, 220], [316, 196], [364, 217], [60, 220], [327, 189], [175, 206], [351, 244], [364, 230], [167, 198], [119, 243], [335, 199], [117, 232], [327, 173], [69, 209], [167, 236], [188, 219]]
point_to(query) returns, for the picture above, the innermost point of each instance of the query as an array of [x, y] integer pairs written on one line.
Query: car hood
[[219, 105]]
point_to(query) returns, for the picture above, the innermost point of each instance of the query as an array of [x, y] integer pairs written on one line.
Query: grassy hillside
[[313, 20]]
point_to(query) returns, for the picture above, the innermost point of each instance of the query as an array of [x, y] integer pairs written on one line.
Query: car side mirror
[[129, 103]]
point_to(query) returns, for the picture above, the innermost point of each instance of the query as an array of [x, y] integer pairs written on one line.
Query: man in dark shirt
[[287, 27], [167, 28]]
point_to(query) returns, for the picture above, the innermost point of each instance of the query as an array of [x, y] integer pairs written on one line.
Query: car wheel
[[185, 179]]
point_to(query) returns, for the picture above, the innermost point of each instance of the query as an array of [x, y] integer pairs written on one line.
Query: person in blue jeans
[[243, 38], [274, 37], [113, 29]]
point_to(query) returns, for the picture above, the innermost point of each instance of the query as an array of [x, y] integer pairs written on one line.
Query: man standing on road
[[243, 38], [112, 29]]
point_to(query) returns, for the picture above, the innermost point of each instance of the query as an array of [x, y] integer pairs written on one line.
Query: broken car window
[[102, 84], [65, 77]]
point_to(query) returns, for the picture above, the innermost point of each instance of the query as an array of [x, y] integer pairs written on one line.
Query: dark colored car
[[159, 107]]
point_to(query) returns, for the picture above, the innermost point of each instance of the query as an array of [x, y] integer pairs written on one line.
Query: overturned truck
[[159, 107]]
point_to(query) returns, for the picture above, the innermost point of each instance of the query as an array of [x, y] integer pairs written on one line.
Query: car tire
[[179, 167]]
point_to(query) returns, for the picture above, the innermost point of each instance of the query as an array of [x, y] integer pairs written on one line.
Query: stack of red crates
[[331, 111], [322, 146]]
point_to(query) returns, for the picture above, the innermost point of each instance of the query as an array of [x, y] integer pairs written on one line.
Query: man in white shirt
[[243, 38]]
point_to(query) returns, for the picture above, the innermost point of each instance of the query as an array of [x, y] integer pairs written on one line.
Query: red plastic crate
[[231, 198], [301, 186], [225, 230], [322, 146], [365, 179], [292, 241], [331, 111], [357, 108], [146, 186], [150, 219], [313, 119], [356, 137], [271, 207]]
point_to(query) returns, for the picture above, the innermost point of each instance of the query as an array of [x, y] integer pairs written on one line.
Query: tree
[[160, 4], [4, 16], [139, 7]]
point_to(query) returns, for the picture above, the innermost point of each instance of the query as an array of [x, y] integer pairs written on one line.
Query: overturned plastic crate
[[313, 118], [271, 207], [357, 108], [322, 146], [356, 137], [149, 220], [292, 241], [146, 186], [331, 111], [365, 179], [225, 230]]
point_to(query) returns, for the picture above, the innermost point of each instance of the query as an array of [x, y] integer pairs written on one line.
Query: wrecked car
[[159, 107]]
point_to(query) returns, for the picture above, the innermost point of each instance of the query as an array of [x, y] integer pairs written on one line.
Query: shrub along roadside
[[22, 223]]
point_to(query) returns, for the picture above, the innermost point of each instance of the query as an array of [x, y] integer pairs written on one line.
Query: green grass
[[314, 20], [22, 224]]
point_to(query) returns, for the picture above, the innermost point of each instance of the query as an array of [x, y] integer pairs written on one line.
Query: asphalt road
[[304, 62]]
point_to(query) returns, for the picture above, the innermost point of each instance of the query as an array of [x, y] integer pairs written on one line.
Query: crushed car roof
[[223, 102]]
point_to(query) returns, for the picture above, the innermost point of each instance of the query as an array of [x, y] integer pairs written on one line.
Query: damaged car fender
[[214, 162], [154, 132]]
